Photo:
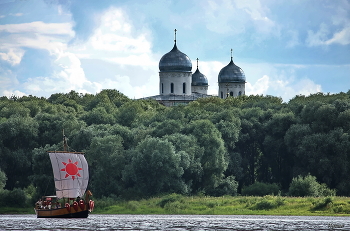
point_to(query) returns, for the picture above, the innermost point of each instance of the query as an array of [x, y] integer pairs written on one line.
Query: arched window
[[184, 88], [231, 93], [222, 95], [162, 88], [171, 88], [240, 93]]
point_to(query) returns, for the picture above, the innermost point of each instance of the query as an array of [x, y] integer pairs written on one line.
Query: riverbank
[[227, 205]]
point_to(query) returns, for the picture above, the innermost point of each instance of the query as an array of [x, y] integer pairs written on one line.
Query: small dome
[[198, 79], [231, 74], [175, 60]]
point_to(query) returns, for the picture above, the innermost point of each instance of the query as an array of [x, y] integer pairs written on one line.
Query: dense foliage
[[139, 148]]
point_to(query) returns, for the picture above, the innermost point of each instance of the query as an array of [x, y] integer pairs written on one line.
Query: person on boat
[[39, 204]]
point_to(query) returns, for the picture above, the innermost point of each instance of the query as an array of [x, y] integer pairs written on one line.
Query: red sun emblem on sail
[[71, 169]]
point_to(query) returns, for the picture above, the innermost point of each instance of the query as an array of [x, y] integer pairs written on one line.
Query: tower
[[175, 73], [231, 80], [199, 82]]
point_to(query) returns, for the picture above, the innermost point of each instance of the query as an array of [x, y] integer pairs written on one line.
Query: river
[[175, 222]]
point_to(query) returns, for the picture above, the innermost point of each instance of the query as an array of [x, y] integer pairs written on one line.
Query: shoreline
[[175, 204]]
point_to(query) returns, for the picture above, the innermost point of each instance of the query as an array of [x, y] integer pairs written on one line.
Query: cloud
[[342, 37], [260, 87], [125, 85], [282, 88], [294, 38], [39, 27], [318, 38], [7, 82], [12, 55], [324, 37], [121, 43], [116, 41], [38, 35], [237, 17], [16, 14]]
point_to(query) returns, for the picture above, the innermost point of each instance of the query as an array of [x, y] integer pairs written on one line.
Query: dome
[[175, 60], [231, 74], [198, 79]]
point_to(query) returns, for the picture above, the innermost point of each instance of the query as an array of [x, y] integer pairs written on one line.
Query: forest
[[140, 148]]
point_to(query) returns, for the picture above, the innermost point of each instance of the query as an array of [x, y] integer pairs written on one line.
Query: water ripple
[[175, 222]]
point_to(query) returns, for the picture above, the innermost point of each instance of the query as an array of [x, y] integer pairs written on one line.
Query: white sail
[[71, 174]]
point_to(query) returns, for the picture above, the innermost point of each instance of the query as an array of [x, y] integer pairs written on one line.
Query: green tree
[[42, 177], [279, 160], [155, 168], [191, 154], [325, 155], [98, 115], [250, 146], [19, 132], [3, 179], [214, 160], [308, 186], [106, 160]]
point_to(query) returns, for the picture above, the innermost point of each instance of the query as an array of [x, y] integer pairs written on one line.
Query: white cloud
[[260, 87], [125, 85], [324, 36], [119, 41], [116, 41], [39, 28], [236, 17], [9, 93], [7, 81], [12, 55], [319, 37], [17, 14], [294, 38], [342, 37], [38, 35]]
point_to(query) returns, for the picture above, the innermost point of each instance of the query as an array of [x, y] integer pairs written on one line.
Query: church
[[178, 85]]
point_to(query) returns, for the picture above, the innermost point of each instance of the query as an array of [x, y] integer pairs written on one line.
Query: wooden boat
[[71, 175]]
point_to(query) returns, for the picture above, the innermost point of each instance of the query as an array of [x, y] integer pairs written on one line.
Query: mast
[[65, 145]]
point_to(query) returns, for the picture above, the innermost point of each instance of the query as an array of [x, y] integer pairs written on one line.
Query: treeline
[[139, 148]]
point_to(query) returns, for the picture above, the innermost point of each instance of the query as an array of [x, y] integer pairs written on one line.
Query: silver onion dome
[[175, 60], [198, 79], [231, 74]]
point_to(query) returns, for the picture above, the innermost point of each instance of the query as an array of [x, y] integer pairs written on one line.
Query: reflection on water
[[174, 222]]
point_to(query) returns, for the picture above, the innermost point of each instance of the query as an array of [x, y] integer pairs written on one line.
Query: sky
[[285, 48]]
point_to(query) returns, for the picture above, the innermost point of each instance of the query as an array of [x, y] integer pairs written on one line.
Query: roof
[[231, 74], [198, 79], [175, 60]]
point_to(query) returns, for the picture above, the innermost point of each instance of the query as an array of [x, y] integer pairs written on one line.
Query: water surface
[[175, 222]]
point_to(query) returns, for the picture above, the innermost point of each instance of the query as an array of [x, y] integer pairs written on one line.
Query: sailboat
[[71, 175]]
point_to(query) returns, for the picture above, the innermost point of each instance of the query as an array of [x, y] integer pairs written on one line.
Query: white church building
[[178, 85]]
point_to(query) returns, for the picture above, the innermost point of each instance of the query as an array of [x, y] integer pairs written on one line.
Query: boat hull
[[61, 213]]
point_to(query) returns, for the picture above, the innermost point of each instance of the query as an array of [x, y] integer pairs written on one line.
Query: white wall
[[200, 89], [177, 78], [231, 88]]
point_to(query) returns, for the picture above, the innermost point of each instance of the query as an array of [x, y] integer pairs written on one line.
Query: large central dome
[[231, 74], [175, 60]]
